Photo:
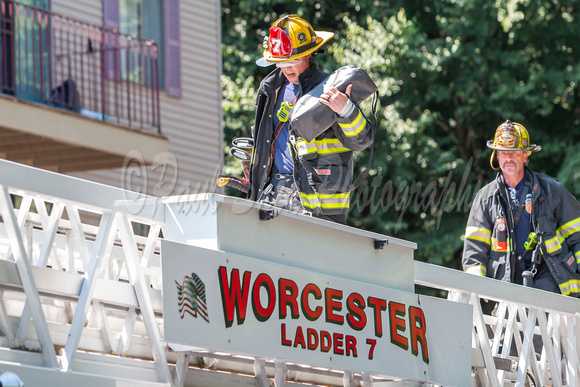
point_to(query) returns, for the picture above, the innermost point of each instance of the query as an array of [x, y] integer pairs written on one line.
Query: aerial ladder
[[101, 286]]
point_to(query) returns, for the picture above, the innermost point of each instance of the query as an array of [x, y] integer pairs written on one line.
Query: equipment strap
[[275, 136], [521, 204]]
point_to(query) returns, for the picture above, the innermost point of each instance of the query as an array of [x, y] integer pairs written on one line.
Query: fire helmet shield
[[279, 43]]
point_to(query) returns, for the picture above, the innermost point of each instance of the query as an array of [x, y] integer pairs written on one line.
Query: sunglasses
[[289, 63]]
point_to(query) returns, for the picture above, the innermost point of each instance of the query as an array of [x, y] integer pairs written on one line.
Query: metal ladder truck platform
[[101, 286]]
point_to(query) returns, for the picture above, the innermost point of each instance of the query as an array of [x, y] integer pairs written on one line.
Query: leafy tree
[[449, 72]]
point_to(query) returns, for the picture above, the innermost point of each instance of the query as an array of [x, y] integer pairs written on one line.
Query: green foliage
[[238, 117], [569, 175], [449, 72]]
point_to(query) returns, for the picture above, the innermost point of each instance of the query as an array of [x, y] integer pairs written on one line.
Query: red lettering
[[325, 341], [378, 306], [397, 322], [311, 315], [338, 344], [372, 343], [288, 294], [332, 305], [234, 296], [418, 329], [356, 318], [351, 346], [312, 338], [263, 314], [299, 339], [285, 341]]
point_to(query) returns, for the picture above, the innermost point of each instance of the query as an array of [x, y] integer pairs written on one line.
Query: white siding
[[88, 11], [192, 123]]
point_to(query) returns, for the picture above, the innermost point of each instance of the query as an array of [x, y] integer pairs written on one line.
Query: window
[[149, 19], [24, 61], [142, 18]]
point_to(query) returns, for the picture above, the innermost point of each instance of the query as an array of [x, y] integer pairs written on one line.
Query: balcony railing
[[57, 60]]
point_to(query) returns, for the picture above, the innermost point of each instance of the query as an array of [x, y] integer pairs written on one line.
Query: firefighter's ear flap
[[493, 161]]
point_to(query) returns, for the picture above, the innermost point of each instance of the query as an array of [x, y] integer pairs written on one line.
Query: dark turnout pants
[[543, 279], [284, 194]]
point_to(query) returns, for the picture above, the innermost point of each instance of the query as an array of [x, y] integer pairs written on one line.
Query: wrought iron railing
[[57, 60]]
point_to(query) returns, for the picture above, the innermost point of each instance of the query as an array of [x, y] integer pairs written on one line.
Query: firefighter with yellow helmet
[[281, 172], [524, 227]]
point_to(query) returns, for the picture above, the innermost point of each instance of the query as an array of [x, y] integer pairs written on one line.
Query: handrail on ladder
[[543, 326], [80, 249]]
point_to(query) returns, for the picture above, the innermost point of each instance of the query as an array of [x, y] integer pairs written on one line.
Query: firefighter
[[286, 171], [523, 223]]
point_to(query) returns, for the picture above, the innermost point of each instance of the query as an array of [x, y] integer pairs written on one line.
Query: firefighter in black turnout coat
[[524, 227], [287, 171]]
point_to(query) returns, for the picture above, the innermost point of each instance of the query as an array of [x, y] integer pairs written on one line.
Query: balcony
[[73, 95]]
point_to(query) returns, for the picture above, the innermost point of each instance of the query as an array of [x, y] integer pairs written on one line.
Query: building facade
[[122, 92]]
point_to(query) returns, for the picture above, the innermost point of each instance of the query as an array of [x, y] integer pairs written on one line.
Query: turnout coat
[[489, 247], [323, 167]]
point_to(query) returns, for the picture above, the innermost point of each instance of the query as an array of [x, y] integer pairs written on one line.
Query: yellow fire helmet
[[291, 38], [510, 136]]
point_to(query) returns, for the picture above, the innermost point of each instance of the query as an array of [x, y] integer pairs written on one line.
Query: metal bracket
[[181, 367], [379, 244], [260, 372], [348, 379], [281, 374]]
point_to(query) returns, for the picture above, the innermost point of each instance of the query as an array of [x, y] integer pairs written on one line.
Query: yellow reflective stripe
[[477, 270], [330, 145], [305, 148], [577, 255], [355, 127], [555, 243], [570, 228], [478, 234], [326, 201], [572, 286], [324, 146]]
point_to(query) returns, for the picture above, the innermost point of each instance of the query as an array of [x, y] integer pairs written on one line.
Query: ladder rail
[[59, 261], [537, 351]]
